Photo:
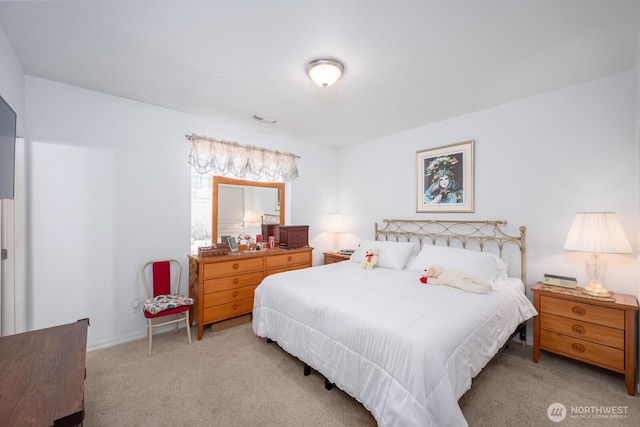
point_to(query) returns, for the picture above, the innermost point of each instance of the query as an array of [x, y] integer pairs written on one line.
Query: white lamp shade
[[251, 218], [597, 232], [336, 223], [325, 72]]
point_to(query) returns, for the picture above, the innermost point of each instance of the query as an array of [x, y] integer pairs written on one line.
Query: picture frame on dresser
[[444, 178], [233, 244]]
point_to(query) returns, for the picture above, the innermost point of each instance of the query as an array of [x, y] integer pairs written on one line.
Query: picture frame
[[233, 244], [445, 178]]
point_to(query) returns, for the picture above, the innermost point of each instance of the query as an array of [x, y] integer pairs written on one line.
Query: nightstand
[[590, 329], [331, 257]]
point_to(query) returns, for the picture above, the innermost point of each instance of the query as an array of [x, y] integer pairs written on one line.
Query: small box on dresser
[[594, 331], [270, 230], [294, 236]]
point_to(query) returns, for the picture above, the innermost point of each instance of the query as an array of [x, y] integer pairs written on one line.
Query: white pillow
[[391, 254], [483, 265]]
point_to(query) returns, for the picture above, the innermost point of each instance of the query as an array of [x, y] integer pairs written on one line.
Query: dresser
[[593, 330], [43, 374], [222, 286]]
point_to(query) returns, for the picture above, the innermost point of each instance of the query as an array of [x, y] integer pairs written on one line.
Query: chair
[[163, 297]]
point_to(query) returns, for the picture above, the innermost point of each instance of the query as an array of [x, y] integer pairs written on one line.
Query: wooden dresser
[[222, 286], [43, 374], [594, 331]]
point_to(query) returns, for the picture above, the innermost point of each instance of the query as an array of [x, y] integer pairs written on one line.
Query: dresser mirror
[[239, 206]]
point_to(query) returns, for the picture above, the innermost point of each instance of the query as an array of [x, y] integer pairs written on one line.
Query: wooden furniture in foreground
[[588, 329], [43, 374], [222, 287], [333, 257]]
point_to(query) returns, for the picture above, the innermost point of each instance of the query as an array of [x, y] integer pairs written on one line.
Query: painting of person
[[441, 183]]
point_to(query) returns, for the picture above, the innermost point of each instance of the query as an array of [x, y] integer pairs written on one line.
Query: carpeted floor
[[232, 378]]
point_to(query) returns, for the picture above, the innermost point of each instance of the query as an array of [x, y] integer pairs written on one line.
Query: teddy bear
[[370, 258], [437, 275]]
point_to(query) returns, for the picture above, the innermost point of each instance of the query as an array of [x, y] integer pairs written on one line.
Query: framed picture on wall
[[444, 178]]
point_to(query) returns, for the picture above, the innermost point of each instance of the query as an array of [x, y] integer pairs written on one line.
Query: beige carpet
[[232, 378]]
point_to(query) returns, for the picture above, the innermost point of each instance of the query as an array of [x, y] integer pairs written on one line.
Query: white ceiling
[[408, 62]]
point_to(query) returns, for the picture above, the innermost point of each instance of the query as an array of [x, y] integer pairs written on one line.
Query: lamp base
[[595, 289]]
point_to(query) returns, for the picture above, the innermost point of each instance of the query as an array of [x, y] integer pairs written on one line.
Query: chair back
[[164, 276]]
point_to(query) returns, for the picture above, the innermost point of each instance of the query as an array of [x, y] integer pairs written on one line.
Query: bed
[[406, 350]]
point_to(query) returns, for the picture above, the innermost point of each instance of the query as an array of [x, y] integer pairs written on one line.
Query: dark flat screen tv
[[7, 150]]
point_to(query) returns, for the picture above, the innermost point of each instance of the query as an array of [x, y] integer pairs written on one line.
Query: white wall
[[538, 161], [110, 189]]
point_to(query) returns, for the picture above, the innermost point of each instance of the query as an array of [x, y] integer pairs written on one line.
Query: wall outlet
[[136, 305]]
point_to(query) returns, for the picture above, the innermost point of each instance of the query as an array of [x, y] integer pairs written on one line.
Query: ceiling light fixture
[[325, 71]]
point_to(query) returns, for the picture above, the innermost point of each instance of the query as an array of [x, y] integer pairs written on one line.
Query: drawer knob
[[289, 258], [236, 281], [235, 308], [578, 311], [236, 265], [577, 347], [235, 295], [578, 329]]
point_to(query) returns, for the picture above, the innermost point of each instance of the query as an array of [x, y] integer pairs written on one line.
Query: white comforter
[[405, 350]]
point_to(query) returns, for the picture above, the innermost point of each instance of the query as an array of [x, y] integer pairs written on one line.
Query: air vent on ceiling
[[265, 120]]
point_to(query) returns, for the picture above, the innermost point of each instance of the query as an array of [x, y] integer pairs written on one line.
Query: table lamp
[[598, 233], [336, 226], [251, 218]]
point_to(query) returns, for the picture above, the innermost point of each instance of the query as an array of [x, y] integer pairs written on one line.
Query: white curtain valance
[[224, 157]]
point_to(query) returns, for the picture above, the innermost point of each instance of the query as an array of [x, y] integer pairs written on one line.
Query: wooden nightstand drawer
[[583, 311], [599, 331], [332, 257], [583, 350], [604, 335]]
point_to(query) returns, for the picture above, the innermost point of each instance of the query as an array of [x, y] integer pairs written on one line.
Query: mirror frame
[[217, 180]]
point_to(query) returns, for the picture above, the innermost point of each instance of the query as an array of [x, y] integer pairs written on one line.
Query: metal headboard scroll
[[478, 235]]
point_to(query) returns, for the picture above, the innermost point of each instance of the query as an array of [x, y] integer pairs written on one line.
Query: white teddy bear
[[370, 258], [437, 275]]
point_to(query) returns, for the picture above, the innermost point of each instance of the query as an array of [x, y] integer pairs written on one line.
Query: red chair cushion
[[176, 310]]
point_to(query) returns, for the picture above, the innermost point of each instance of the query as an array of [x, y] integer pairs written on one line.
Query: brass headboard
[[478, 235]]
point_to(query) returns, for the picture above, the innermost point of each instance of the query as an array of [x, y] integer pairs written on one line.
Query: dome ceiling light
[[325, 71]]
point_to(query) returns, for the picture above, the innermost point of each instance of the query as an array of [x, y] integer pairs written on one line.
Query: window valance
[[224, 157]]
